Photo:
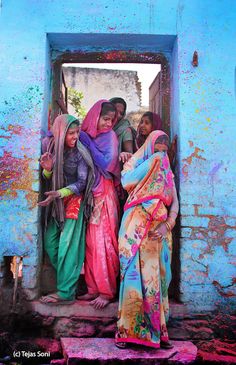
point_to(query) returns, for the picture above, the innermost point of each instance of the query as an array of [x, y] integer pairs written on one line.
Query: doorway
[[159, 101], [159, 92]]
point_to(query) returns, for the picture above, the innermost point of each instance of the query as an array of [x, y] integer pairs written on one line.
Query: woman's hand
[[51, 195], [125, 156], [159, 232], [46, 161]]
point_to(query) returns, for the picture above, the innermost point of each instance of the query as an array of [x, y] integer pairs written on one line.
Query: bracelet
[[167, 224], [171, 222]]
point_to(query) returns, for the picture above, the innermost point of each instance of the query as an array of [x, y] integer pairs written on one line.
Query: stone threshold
[[103, 351], [78, 309], [84, 310]]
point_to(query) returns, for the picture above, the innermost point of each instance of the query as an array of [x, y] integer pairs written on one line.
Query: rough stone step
[[83, 309], [103, 351]]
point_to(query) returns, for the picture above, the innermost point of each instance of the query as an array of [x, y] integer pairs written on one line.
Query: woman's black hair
[[107, 107], [118, 100], [149, 115]]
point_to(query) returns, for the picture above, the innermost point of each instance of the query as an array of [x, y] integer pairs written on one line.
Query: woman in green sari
[[68, 169], [124, 131]]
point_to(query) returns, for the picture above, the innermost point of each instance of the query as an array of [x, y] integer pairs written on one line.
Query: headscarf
[[56, 147], [156, 122], [90, 122], [147, 175], [102, 145]]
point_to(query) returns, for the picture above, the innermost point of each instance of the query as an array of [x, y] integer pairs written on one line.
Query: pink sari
[[101, 257]]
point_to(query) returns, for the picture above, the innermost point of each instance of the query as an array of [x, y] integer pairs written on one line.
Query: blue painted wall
[[203, 115]]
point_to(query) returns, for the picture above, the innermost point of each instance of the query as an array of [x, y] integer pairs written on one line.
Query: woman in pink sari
[[101, 257]]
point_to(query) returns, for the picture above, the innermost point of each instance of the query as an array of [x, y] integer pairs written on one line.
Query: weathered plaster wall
[[207, 171], [96, 83], [203, 114]]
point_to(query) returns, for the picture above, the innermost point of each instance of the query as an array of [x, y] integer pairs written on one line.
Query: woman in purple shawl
[[101, 258]]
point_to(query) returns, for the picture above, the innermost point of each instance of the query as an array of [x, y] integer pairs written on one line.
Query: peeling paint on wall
[[203, 114], [194, 155], [16, 174]]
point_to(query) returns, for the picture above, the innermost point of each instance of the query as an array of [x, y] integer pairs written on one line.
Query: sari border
[[146, 198], [138, 342]]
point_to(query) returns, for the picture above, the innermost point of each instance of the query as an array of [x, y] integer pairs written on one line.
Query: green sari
[[125, 132]]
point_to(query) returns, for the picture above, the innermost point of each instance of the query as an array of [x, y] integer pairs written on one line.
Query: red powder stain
[[15, 129], [221, 290], [189, 159], [15, 174], [116, 55], [218, 351], [6, 137], [12, 129], [30, 237], [194, 154], [214, 235]]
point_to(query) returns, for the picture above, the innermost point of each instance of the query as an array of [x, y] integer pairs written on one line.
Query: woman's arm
[[82, 173], [174, 209], [128, 146], [169, 224]]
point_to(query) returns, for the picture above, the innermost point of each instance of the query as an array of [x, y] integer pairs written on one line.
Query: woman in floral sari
[[145, 245], [149, 122], [101, 257]]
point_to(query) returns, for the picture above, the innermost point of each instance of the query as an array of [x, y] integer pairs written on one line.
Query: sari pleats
[[101, 261], [145, 277]]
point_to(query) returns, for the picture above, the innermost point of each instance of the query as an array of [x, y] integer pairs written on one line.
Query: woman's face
[[120, 109], [160, 147], [145, 126], [105, 121], [72, 136]]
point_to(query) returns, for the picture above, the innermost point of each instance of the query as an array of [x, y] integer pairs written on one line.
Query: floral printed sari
[[145, 263]]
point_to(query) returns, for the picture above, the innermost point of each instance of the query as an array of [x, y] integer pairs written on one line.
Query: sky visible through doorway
[[146, 73]]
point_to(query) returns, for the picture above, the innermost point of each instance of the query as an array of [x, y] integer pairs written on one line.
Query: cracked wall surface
[[203, 115]]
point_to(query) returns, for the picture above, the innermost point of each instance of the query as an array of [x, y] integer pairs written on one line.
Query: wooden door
[[159, 95]]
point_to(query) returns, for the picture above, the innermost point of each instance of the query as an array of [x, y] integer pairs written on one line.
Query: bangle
[[171, 222], [167, 224]]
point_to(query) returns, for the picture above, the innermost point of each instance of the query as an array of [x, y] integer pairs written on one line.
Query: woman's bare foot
[[121, 345], [100, 302], [54, 299], [87, 296]]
